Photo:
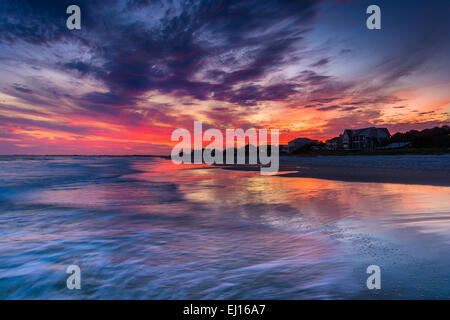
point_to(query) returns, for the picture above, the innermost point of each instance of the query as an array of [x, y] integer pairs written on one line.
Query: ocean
[[144, 228]]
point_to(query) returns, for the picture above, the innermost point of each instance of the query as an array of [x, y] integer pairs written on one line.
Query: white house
[[364, 139], [397, 145]]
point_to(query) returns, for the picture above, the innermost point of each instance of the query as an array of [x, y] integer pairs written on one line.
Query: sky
[[137, 70]]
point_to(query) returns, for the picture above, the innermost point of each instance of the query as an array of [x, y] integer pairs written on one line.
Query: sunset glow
[[134, 73]]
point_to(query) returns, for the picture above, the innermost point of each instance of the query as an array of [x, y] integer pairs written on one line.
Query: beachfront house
[[334, 143], [364, 139], [298, 143], [397, 145]]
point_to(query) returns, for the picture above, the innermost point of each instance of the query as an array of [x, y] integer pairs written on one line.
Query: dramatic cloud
[[138, 69]]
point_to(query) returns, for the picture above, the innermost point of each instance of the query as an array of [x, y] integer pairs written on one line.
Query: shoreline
[[411, 173]]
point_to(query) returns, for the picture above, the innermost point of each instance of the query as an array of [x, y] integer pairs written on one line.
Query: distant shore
[[404, 169], [422, 170]]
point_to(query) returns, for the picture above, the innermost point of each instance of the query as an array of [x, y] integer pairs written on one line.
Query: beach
[[144, 228], [407, 169]]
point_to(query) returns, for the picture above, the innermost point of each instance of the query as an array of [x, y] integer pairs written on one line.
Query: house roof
[[335, 139], [371, 131]]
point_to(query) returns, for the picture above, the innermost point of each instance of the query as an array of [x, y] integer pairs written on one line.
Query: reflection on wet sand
[[146, 228]]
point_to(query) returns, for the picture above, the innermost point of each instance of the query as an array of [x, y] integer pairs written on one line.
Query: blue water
[[143, 228]]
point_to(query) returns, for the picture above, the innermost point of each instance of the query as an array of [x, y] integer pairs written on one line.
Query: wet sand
[[409, 173], [145, 228], [385, 175]]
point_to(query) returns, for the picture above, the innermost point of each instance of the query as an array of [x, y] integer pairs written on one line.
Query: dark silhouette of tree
[[437, 137]]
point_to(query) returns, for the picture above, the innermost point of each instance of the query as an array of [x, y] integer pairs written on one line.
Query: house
[[298, 143], [334, 143], [397, 145], [318, 148], [364, 139]]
